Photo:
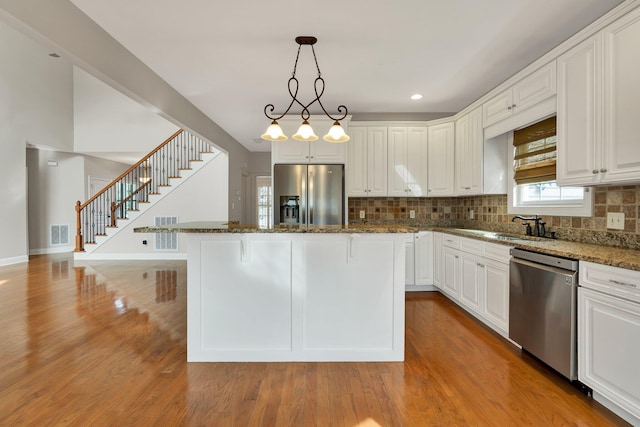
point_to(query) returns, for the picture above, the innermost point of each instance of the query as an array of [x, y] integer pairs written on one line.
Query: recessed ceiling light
[[416, 96]]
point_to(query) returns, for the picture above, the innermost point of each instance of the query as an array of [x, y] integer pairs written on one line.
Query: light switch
[[361, 214], [412, 213], [615, 220]]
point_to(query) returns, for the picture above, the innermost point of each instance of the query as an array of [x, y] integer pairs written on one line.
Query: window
[[533, 189], [264, 201]]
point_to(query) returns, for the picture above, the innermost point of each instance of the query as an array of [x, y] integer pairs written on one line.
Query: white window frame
[[582, 208]]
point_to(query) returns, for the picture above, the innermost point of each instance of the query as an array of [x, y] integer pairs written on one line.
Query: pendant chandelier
[[305, 131]]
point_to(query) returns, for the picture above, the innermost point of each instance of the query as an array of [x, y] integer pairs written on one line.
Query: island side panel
[[349, 303], [239, 298], [296, 297]]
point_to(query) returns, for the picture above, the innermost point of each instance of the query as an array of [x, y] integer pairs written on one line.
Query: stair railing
[[135, 185]]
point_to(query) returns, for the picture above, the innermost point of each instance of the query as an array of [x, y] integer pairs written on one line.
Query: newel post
[[79, 245]]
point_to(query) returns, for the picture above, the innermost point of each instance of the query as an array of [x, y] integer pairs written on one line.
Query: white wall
[[197, 199], [106, 121], [36, 108], [53, 192], [95, 167]]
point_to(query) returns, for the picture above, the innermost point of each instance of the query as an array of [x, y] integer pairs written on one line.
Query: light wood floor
[[105, 345]]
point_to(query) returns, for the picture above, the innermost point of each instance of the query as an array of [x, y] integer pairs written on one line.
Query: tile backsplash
[[490, 212]]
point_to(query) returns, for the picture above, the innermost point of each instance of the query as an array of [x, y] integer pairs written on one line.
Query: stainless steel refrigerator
[[308, 194]]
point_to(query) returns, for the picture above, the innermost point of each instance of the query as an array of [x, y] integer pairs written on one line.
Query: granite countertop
[[231, 227], [608, 255]]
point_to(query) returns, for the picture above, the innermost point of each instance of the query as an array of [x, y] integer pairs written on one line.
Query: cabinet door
[[409, 261], [496, 294], [621, 99], [437, 260], [440, 159], [324, 152], [417, 159], [579, 113], [470, 273], [451, 272], [377, 161], [497, 108], [424, 258], [536, 87], [290, 151], [397, 162], [357, 163], [609, 347], [469, 153]]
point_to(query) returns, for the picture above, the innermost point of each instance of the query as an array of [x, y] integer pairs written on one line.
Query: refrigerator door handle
[[303, 199], [310, 184]]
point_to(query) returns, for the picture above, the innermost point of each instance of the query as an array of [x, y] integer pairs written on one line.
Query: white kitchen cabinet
[[451, 272], [495, 284], [440, 169], [598, 90], [471, 275], [409, 261], [407, 161], [536, 87], [424, 258], [469, 137], [609, 348], [437, 260], [367, 162], [300, 152]]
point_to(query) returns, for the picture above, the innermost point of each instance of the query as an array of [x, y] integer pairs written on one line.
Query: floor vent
[[59, 234], [166, 241]]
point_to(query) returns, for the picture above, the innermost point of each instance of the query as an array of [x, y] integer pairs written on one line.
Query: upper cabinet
[[536, 87], [367, 166], [292, 151], [440, 162], [469, 160], [407, 161], [598, 109]]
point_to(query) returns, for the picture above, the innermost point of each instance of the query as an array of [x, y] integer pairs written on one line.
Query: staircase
[[138, 188]]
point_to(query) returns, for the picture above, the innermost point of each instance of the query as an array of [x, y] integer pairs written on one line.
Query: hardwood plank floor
[[105, 345]]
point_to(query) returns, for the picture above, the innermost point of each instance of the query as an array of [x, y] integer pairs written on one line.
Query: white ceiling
[[231, 58]]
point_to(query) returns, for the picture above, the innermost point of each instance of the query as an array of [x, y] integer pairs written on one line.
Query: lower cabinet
[[609, 349], [437, 260], [419, 259], [475, 274]]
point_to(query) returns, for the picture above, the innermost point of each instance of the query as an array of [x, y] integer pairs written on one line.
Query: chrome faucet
[[538, 230]]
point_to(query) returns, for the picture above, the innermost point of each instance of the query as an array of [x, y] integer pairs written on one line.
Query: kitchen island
[[294, 293]]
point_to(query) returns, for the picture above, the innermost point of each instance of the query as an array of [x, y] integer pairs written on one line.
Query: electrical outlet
[[471, 214], [361, 214], [412, 214], [615, 220]]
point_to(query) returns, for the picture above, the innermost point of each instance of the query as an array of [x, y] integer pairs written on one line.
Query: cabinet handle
[[311, 157], [513, 105], [509, 107], [595, 171], [467, 188], [450, 241], [457, 256], [480, 265], [617, 282], [603, 170]]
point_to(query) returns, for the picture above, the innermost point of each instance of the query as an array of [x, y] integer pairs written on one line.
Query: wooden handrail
[[132, 168]]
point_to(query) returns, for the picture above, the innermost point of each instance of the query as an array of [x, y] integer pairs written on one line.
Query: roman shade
[[534, 158]]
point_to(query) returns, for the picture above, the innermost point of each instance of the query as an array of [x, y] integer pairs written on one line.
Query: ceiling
[[231, 58]]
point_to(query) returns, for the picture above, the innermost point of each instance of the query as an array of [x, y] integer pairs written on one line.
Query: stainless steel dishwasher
[[542, 308]]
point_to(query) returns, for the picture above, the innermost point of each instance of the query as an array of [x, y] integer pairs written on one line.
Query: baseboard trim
[[81, 256], [14, 260], [419, 288], [53, 250]]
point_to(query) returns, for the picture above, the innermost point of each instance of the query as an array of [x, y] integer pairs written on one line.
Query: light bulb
[[305, 133], [274, 133], [336, 134]]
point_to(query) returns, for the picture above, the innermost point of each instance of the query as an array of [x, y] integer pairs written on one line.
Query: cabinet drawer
[[451, 241], [613, 280], [497, 252], [471, 245]]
